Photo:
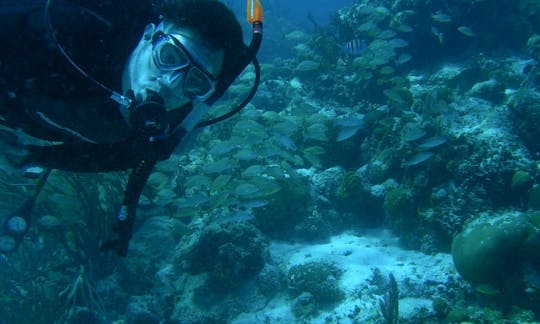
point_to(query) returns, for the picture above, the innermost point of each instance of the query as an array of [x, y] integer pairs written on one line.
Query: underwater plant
[[389, 304], [61, 284]]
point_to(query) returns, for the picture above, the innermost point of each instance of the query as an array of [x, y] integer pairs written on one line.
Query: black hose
[[241, 105]]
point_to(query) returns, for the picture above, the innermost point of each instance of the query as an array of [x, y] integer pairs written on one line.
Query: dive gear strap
[[119, 98], [126, 216], [25, 212]]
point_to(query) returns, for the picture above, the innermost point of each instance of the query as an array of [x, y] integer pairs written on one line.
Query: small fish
[[386, 34], [238, 217], [404, 28], [398, 43], [354, 47], [254, 203], [386, 70], [49, 221], [246, 189], [413, 133], [221, 148], [487, 289], [437, 33], [357, 120], [347, 133], [382, 10], [467, 31], [296, 36], [33, 171], [432, 142], [349, 127], [441, 17], [417, 159], [403, 58], [284, 141]]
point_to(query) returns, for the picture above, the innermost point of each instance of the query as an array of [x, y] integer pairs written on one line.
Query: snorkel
[[254, 16]]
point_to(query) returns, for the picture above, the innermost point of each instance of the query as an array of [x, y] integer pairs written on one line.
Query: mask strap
[[119, 98], [243, 104]]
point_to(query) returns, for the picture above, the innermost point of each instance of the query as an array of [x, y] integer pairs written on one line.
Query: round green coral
[[490, 249], [521, 181]]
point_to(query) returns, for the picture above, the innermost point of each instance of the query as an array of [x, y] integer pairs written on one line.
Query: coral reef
[[429, 130], [496, 254], [230, 253], [316, 285]]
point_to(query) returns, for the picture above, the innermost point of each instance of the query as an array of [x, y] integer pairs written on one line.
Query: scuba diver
[[61, 61]]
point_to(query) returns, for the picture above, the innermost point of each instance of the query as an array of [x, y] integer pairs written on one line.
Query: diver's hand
[[121, 244]]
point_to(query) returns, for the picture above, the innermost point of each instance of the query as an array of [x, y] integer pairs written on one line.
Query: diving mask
[[172, 58]]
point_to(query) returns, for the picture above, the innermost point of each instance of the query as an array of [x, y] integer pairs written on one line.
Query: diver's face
[[174, 63]]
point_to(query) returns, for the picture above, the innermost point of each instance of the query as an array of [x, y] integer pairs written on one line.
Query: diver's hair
[[214, 23]]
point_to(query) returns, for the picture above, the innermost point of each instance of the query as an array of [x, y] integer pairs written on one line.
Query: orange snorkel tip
[[254, 11]]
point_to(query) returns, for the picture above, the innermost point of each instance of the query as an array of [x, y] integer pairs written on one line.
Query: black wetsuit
[[46, 97]]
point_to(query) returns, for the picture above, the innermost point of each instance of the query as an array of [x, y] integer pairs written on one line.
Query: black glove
[[121, 244]]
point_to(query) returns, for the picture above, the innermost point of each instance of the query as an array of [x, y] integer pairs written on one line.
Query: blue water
[[295, 11], [283, 17]]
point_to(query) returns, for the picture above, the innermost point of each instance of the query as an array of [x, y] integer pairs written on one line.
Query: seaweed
[[389, 304]]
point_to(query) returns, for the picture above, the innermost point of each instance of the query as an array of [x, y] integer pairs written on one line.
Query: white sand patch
[[359, 255], [418, 275]]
